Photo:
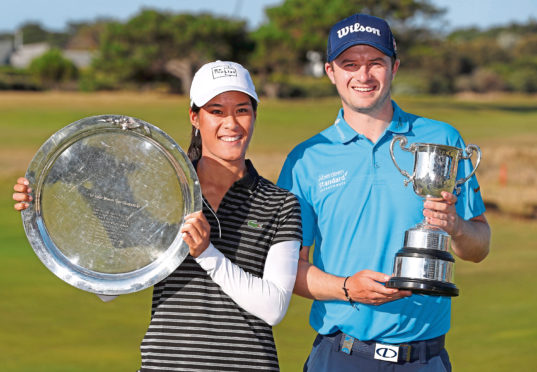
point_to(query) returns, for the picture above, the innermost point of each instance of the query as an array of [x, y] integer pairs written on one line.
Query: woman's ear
[[194, 118]]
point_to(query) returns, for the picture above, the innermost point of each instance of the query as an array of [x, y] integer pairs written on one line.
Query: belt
[[406, 352]]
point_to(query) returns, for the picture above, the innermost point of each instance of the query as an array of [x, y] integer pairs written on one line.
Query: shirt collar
[[342, 130], [399, 123], [344, 133], [251, 177], [248, 181]]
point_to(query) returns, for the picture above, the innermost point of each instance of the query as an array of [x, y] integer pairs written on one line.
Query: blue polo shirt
[[355, 209]]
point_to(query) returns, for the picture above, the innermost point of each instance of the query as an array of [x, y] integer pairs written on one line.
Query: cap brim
[[210, 95], [349, 44]]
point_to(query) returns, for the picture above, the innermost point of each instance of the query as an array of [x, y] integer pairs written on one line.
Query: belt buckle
[[408, 351], [346, 345], [388, 353]]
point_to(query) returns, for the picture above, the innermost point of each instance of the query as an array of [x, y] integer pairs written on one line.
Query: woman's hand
[[22, 194], [196, 233]]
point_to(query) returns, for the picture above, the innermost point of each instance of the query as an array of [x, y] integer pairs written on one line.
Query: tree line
[[161, 50]]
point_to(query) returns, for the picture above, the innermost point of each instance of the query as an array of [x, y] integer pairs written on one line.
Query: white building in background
[[25, 54], [20, 55], [6, 50], [81, 58]]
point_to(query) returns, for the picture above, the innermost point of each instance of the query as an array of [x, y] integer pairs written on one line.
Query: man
[[355, 209]]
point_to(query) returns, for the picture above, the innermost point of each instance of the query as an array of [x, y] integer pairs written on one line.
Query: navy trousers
[[327, 356]]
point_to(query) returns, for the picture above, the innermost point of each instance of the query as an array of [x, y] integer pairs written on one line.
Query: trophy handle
[[403, 143], [469, 150]]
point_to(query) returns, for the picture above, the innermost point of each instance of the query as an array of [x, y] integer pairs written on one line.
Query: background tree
[[157, 49], [33, 32], [298, 26], [164, 47], [86, 35]]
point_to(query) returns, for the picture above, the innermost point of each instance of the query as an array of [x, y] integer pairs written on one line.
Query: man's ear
[[329, 69], [395, 68]]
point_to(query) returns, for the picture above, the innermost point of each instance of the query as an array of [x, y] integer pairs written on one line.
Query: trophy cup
[[424, 264]]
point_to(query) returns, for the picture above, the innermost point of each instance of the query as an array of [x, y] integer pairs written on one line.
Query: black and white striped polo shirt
[[194, 325]]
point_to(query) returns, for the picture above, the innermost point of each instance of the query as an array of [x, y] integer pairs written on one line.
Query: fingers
[[441, 210], [21, 188], [22, 181], [368, 287], [22, 185], [447, 200], [22, 194], [376, 276], [196, 232], [21, 206], [191, 231], [21, 197], [196, 225], [449, 197]]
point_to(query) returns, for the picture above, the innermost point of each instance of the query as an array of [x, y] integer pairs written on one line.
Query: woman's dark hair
[[194, 150]]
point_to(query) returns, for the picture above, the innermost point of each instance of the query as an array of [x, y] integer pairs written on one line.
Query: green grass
[[49, 326]]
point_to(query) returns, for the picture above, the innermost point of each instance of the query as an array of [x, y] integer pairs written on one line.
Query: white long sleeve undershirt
[[267, 297]]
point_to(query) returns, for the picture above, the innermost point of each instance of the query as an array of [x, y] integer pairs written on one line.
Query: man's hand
[[470, 239], [442, 213], [367, 287]]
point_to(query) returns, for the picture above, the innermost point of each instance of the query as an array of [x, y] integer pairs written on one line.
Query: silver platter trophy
[[424, 264], [110, 196]]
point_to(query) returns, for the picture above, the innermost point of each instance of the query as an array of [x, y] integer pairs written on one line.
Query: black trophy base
[[424, 286]]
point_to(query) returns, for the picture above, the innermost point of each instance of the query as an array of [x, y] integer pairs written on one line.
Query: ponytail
[[194, 150]]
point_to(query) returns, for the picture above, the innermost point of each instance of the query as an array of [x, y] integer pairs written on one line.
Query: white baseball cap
[[218, 77]]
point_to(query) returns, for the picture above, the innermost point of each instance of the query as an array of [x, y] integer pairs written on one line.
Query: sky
[[55, 14]]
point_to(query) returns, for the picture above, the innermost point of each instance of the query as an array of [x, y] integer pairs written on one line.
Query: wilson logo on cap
[[357, 28]]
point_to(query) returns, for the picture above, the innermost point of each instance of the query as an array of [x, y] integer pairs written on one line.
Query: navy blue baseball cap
[[360, 29]]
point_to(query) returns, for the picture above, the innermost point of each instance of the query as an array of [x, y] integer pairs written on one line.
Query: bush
[[52, 68], [523, 80], [482, 80], [485, 80], [15, 79], [92, 81], [463, 83]]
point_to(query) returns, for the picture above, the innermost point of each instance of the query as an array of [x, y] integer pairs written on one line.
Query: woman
[[216, 310]]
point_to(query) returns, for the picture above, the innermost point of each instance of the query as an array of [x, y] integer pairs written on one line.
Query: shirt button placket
[[374, 161]]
